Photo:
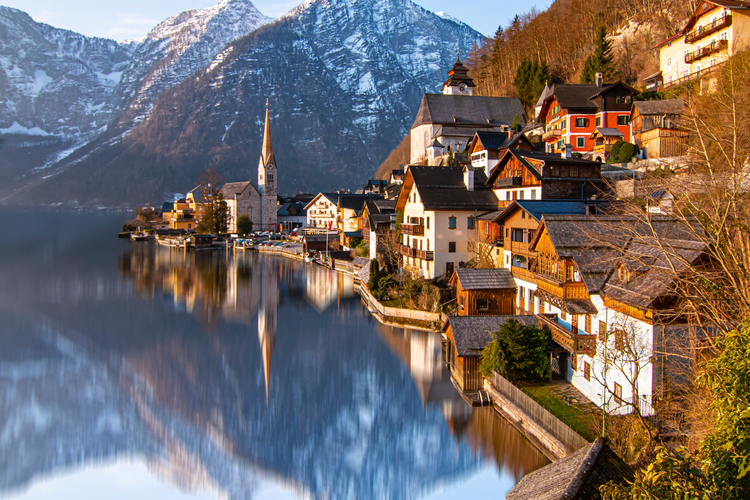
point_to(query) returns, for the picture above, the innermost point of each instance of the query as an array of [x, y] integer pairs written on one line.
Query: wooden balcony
[[426, 255], [506, 182], [551, 135], [561, 290], [709, 29], [408, 251], [572, 342], [706, 51], [412, 229]]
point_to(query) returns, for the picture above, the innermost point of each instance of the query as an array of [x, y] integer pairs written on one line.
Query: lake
[[129, 370]]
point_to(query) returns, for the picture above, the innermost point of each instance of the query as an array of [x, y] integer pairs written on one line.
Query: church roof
[[231, 189], [468, 111], [458, 74]]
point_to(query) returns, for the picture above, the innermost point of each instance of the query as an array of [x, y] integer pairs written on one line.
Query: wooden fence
[[397, 312], [536, 412]]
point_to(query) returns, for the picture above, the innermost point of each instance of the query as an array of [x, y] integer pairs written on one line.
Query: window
[[587, 324], [618, 393], [507, 196], [669, 61], [725, 35], [520, 195], [564, 124], [523, 214], [587, 371], [619, 339], [270, 177], [602, 331], [428, 223], [598, 121], [486, 227], [483, 305], [428, 244], [574, 362], [507, 232], [533, 194], [580, 142], [520, 262], [574, 323], [623, 120], [470, 222], [582, 122], [564, 315], [451, 223], [452, 246]]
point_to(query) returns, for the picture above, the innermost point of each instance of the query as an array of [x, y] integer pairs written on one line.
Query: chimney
[[567, 151], [599, 79], [469, 178]]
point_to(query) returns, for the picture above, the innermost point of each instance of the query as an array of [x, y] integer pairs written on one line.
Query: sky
[[133, 19]]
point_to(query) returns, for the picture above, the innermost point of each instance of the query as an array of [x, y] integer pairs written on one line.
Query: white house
[[322, 211]]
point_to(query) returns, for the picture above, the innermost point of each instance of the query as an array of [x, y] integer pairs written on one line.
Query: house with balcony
[[378, 219], [655, 128], [454, 116], [572, 113], [532, 175], [709, 37], [440, 206], [486, 148], [322, 211], [604, 139]]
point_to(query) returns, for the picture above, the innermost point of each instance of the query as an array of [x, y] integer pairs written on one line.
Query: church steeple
[[267, 179], [266, 154], [459, 82]]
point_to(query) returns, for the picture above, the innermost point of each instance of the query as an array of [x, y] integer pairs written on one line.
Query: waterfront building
[[454, 116], [349, 221], [322, 211], [378, 219], [242, 198], [440, 206], [484, 292]]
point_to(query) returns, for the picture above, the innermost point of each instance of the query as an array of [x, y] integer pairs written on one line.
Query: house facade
[[322, 211], [655, 128], [486, 148], [484, 292], [242, 198]]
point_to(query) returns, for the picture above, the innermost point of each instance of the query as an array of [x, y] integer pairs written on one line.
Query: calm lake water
[[127, 371]]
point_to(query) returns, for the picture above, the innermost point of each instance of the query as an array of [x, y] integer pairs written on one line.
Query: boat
[[140, 236]]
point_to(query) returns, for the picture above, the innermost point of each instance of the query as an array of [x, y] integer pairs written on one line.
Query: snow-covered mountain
[[177, 48], [344, 78]]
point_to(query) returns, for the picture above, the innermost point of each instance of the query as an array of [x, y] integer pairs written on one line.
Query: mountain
[[344, 79]]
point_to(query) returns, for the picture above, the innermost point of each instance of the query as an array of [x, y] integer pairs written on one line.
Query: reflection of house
[[467, 336], [655, 128], [484, 292], [324, 287], [579, 475], [531, 175], [710, 36], [453, 117], [440, 205]]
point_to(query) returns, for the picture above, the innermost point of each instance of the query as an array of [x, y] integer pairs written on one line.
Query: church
[[258, 203]]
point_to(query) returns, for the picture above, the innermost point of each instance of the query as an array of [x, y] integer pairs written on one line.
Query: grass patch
[[393, 303], [574, 416]]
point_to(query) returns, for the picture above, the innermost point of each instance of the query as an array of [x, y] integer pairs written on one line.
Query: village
[[550, 251]]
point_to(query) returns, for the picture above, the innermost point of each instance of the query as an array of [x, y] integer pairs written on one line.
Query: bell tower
[[267, 179], [459, 82]]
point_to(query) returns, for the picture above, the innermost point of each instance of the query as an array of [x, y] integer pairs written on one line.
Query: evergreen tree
[[601, 60], [244, 225], [517, 353], [451, 160], [516, 126], [531, 77]]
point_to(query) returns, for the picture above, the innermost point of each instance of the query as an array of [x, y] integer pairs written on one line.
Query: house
[[467, 336], [660, 202], [655, 128], [531, 175], [604, 139], [453, 117], [291, 215], [322, 211], [571, 113], [484, 292], [182, 215], [440, 206], [579, 475], [378, 218], [374, 186], [397, 176], [486, 148], [711, 35], [242, 198], [349, 215]]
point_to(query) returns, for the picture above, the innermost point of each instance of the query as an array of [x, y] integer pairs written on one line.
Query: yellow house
[[712, 33]]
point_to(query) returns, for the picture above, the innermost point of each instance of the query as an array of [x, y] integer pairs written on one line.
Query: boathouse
[[484, 292], [467, 336]]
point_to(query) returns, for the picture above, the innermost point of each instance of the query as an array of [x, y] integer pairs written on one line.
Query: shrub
[[244, 225], [517, 353]]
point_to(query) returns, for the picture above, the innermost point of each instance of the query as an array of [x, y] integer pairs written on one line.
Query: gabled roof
[[491, 140], [538, 208], [545, 93], [291, 209], [579, 475], [458, 74], [331, 197], [727, 4], [572, 96], [468, 111], [606, 132], [443, 188], [356, 201], [471, 334], [231, 189], [379, 212], [484, 279], [604, 90], [534, 161], [664, 107], [197, 193]]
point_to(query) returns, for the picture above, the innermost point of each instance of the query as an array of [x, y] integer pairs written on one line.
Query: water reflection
[[155, 359]]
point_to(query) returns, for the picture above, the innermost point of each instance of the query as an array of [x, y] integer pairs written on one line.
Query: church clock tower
[[267, 179]]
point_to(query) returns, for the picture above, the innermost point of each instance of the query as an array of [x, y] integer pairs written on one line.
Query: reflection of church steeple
[[267, 325]]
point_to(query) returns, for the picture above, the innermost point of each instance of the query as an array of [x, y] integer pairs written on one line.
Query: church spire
[[267, 152]]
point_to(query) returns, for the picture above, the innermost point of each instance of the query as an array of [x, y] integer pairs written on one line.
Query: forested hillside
[[562, 37]]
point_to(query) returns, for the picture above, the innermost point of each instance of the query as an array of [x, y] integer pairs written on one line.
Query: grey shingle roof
[[665, 107], [493, 140], [443, 188], [535, 161], [230, 189], [609, 132], [538, 208], [575, 95], [356, 201], [473, 333], [485, 279], [579, 475], [460, 110]]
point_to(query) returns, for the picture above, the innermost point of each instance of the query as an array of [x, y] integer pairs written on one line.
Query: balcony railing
[[426, 255], [412, 229], [692, 76], [504, 182], [408, 251], [709, 29], [551, 135], [571, 342], [706, 51]]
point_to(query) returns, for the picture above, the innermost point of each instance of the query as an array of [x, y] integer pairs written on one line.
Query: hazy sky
[[132, 19]]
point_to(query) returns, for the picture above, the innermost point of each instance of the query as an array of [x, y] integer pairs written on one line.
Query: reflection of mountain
[[141, 377]]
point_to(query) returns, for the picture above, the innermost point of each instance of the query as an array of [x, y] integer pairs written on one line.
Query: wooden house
[[466, 337], [486, 148], [579, 475], [484, 292], [656, 130], [531, 175]]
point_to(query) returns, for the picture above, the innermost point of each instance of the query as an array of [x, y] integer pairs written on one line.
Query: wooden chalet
[[531, 175], [484, 292], [656, 130], [467, 336], [579, 475], [486, 148]]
